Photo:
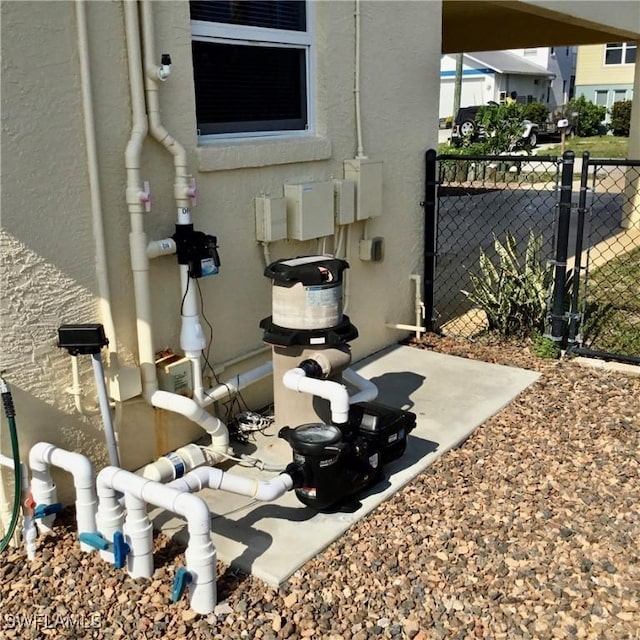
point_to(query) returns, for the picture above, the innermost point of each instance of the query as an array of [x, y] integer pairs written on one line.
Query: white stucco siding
[[49, 265]]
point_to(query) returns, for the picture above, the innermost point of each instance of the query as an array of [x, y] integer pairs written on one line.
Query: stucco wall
[[48, 273]]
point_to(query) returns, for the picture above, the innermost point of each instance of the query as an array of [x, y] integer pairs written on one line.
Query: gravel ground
[[529, 530]]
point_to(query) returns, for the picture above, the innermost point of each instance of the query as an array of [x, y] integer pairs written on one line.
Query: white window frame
[[219, 32], [610, 46]]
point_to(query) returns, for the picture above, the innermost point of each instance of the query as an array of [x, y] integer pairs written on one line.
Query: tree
[[621, 117]]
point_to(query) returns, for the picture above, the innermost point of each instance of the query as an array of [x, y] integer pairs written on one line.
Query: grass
[[612, 320], [597, 146]]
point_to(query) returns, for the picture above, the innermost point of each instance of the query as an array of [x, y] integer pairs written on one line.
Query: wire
[[185, 293]]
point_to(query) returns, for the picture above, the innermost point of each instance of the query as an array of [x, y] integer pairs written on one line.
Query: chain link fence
[[480, 199], [605, 318]]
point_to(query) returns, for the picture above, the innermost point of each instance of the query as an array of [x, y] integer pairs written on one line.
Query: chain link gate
[[470, 201], [605, 307]]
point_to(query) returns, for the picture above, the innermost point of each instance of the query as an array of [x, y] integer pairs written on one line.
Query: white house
[[539, 74]]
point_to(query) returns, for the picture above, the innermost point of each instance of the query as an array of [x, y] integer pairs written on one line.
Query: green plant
[[621, 117], [502, 125], [535, 111], [590, 116], [513, 293], [545, 347]]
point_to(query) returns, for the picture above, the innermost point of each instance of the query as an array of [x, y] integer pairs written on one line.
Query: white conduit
[[138, 240], [235, 384], [337, 394], [105, 410], [367, 391], [41, 457], [212, 478], [200, 555], [102, 274], [29, 532]]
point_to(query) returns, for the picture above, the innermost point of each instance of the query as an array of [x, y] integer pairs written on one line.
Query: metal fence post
[[429, 257], [577, 265], [562, 247]]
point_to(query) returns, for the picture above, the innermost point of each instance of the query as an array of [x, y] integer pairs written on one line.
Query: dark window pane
[[272, 14], [630, 55], [244, 88], [613, 56]]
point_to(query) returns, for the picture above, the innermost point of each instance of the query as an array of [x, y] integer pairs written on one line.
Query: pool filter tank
[[335, 459]]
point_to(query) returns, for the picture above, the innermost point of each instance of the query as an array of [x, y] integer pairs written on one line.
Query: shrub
[[621, 117], [536, 112], [513, 294], [502, 125], [590, 116]]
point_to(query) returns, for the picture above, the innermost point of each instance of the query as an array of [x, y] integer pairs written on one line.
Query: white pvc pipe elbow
[[41, 457], [200, 554], [367, 391], [337, 394], [190, 409]]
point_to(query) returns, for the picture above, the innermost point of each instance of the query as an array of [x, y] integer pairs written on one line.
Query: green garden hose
[[10, 412]]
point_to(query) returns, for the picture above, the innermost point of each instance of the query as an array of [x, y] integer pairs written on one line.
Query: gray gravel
[[529, 530]]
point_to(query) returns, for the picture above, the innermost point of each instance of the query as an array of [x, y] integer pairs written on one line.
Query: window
[[251, 65], [619, 95], [620, 53], [601, 98]]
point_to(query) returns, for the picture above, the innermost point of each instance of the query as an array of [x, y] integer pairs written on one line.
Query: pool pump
[[340, 441]]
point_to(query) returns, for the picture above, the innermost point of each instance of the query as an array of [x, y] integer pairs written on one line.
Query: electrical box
[[271, 219], [372, 249], [367, 174], [309, 210], [345, 201], [174, 373]]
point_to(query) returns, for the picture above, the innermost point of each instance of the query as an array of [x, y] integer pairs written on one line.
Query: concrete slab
[[451, 397]]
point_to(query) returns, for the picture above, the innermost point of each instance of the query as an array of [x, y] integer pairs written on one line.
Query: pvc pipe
[[105, 410], [336, 393], [236, 384], [41, 457], [200, 554], [258, 351], [406, 327], [367, 390], [102, 272], [212, 478], [194, 412], [76, 391], [157, 248], [28, 526], [418, 304], [356, 82], [138, 532]]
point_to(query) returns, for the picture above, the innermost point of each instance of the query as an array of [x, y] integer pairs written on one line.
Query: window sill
[[241, 154]]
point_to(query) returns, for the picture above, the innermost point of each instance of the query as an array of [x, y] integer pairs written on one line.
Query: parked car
[[466, 127]]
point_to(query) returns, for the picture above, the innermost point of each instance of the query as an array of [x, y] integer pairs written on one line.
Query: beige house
[[604, 72], [106, 141]]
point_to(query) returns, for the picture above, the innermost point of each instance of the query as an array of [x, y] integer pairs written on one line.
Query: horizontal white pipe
[[336, 393], [200, 555], [194, 412], [367, 391], [28, 526], [212, 478], [221, 366], [237, 383], [41, 457], [406, 327], [157, 248]]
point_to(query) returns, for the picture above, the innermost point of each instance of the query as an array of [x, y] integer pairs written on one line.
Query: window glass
[[251, 63], [601, 98]]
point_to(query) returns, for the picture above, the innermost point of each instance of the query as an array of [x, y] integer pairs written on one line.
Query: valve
[[165, 67], [120, 550], [196, 249], [43, 510], [180, 582], [94, 539]]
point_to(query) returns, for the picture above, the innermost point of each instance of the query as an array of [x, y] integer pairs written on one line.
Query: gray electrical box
[[309, 210]]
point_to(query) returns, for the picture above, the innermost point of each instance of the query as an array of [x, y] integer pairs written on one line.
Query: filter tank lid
[[308, 270]]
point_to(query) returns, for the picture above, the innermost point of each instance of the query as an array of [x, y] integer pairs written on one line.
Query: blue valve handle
[[180, 582], [94, 539], [43, 510], [120, 550]]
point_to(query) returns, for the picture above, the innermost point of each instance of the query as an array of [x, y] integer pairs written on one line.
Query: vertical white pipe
[[41, 456], [105, 410], [102, 273], [138, 534], [356, 82]]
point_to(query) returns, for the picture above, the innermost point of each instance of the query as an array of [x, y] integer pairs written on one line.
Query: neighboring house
[[261, 96], [494, 75], [605, 72]]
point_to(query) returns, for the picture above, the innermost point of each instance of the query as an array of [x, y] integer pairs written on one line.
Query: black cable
[[185, 293]]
